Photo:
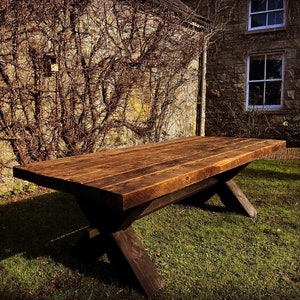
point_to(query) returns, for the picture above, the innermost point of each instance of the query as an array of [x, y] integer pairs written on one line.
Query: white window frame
[[267, 12], [264, 107]]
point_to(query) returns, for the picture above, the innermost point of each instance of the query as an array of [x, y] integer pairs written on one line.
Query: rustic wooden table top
[[127, 177]]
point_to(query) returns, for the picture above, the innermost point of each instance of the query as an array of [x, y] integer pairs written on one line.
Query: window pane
[[256, 93], [257, 67], [273, 93], [258, 20], [275, 18], [275, 4], [258, 5], [274, 67]]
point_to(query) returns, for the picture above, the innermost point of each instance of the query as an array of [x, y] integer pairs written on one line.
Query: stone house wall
[[227, 77], [107, 83]]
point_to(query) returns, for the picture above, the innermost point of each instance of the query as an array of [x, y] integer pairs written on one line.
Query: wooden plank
[[104, 165], [138, 181], [189, 191], [115, 188], [167, 180], [135, 167], [125, 251], [138, 260], [233, 197], [203, 158], [221, 159], [45, 171], [89, 159], [109, 160]]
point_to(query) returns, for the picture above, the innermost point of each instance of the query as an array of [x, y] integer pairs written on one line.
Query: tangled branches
[[77, 76]]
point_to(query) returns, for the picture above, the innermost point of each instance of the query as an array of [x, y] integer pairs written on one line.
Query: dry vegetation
[[73, 73]]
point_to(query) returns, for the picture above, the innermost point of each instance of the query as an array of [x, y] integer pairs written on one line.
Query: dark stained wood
[[189, 191], [127, 177], [232, 196], [114, 188], [124, 250], [90, 246], [138, 260]]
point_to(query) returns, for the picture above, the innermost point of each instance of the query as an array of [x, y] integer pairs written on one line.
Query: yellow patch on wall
[[139, 105]]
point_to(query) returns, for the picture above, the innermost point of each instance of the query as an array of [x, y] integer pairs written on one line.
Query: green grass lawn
[[204, 252]]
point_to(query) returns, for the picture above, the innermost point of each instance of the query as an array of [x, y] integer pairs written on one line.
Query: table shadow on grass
[[251, 173], [209, 201], [49, 225], [267, 174]]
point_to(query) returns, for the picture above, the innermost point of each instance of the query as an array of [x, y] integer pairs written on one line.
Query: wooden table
[[115, 188]]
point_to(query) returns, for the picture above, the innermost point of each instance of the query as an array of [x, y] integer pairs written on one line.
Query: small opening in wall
[[53, 60], [50, 65]]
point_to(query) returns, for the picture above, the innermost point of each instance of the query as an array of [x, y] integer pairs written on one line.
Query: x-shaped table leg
[[113, 234], [233, 198]]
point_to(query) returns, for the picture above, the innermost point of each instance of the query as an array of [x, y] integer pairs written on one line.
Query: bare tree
[[77, 76]]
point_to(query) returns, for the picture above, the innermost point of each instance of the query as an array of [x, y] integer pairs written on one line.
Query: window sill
[[265, 30], [266, 112]]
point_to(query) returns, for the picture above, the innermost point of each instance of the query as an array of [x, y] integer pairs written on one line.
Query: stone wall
[[95, 76], [227, 69]]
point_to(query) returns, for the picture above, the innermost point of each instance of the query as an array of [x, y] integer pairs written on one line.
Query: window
[[264, 14], [264, 87]]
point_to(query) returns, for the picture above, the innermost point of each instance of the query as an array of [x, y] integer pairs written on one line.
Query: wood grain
[[233, 198], [115, 188], [127, 177], [138, 260]]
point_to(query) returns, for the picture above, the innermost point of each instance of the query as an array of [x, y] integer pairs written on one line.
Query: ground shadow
[[49, 225], [33, 223], [202, 199], [270, 174], [204, 203]]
